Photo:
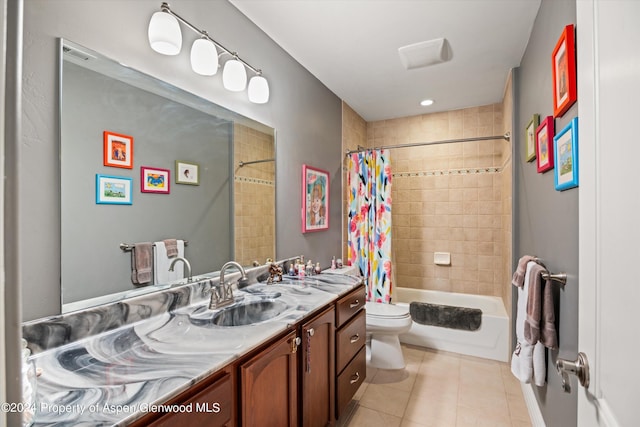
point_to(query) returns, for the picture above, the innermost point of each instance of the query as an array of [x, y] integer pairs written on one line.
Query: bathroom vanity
[[291, 354]]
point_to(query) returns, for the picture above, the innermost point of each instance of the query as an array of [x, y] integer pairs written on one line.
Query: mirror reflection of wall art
[[530, 138], [563, 61], [118, 150], [187, 173], [154, 180], [113, 190], [565, 147], [544, 145], [315, 199]]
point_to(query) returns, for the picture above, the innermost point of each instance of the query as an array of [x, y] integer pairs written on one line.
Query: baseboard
[[532, 406]]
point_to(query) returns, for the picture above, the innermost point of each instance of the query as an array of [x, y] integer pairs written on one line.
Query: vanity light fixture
[[204, 57], [165, 37]]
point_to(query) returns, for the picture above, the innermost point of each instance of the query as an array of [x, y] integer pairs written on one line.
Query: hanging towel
[[172, 247], [540, 322], [161, 263], [518, 275], [141, 263], [527, 361]]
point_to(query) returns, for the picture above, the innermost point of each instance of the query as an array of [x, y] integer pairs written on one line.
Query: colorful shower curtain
[[369, 180]]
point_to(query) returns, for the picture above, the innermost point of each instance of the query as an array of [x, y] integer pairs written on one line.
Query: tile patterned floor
[[439, 389]]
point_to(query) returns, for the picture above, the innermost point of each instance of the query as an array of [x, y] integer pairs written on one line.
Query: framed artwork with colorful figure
[[315, 199], [118, 150]]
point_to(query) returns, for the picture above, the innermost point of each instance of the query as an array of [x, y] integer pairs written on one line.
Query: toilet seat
[[386, 311]]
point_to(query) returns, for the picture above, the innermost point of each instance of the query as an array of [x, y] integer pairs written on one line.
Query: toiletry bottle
[[292, 269], [309, 268], [333, 263], [318, 269]]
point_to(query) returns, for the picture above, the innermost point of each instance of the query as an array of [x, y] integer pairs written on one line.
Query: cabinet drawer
[[212, 406], [349, 305], [349, 339], [350, 380]]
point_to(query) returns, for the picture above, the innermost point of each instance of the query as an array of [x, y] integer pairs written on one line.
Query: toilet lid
[[377, 309]]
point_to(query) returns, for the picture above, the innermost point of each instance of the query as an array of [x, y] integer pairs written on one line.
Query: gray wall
[[546, 220], [305, 114], [164, 131]]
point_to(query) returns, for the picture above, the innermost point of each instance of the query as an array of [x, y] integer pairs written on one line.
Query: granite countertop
[[114, 376]]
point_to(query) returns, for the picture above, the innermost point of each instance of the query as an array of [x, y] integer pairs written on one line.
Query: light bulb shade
[[234, 76], [258, 90], [204, 57], [165, 36]]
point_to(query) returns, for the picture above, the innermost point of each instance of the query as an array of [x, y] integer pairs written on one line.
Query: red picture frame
[[544, 144], [155, 180], [118, 150], [563, 64], [315, 199]]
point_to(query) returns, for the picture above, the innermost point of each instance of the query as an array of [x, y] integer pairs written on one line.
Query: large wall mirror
[[225, 212]]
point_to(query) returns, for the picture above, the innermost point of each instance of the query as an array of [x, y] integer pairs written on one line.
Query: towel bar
[[559, 277], [126, 247]]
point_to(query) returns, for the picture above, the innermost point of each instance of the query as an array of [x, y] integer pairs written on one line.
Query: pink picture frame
[[544, 145], [155, 180], [315, 199]]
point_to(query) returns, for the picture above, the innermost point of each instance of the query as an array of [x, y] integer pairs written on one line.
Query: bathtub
[[490, 341]]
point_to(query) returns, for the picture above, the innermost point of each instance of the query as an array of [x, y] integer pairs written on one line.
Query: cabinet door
[[268, 386], [318, 370], [212, 407]]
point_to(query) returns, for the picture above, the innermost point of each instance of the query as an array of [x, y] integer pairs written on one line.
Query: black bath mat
[[467, 319]]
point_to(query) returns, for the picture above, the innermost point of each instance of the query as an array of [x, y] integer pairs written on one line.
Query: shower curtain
[[369, 243]]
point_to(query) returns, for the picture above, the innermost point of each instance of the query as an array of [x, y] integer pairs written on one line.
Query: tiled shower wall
[[447, 198], [254, 196]]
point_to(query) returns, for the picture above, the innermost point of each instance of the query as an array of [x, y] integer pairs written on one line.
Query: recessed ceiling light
[[426, 102]]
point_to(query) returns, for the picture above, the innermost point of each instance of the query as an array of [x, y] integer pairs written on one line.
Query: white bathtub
[[490, 341]]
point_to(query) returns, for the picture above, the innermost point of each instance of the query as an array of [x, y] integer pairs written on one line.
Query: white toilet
[[384, 323]]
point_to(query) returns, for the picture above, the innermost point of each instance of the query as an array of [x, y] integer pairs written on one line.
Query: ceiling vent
[[425, 53]]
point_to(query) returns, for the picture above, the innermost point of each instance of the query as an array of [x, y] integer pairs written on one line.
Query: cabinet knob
[[294, 344], [354, 304], [355, 338], [311, 332], [354, 378]]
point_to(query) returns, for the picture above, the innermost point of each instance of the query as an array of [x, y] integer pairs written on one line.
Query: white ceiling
[[352, 47]]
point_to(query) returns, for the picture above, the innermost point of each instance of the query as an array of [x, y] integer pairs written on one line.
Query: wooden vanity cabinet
[[351, 363], [302, 378], [269, 385], [317, 376]]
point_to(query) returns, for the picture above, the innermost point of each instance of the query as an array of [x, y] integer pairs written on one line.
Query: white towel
[[528, 361], [161, 263]]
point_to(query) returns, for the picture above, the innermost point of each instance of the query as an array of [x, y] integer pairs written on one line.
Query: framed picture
[[154, 180], [187, 173], [530, 138], [565, 150], [544, 145], [113, 190], [118, 150], [564, 72], [315, 199]]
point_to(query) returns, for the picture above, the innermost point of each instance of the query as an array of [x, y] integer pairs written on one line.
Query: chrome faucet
[[187, 267], [222, 294]]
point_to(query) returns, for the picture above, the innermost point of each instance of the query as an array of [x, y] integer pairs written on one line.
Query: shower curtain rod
[[241, 163], [506, 136]]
